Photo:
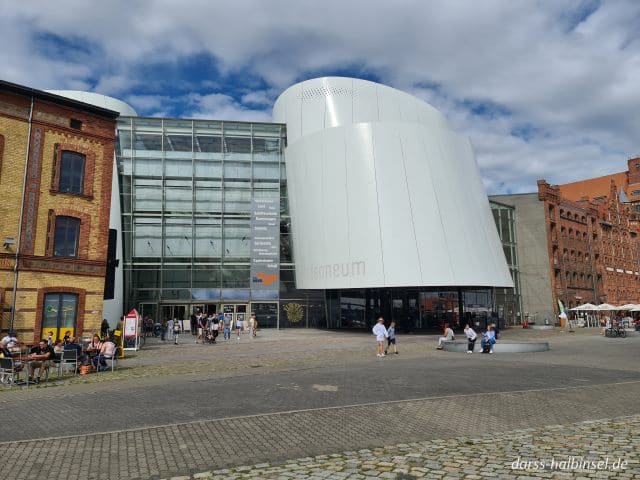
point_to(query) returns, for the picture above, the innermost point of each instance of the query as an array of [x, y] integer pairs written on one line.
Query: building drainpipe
[[18, 242]]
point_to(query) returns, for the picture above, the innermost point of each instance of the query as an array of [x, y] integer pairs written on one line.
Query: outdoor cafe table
[[26, 362]]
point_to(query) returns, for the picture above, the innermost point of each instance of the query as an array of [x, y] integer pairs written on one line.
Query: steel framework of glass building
[[187, 192], [508, 301], [190, 190]]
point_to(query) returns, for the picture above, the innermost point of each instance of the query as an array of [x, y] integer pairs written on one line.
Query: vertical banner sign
[[131, 330], [265, 243]]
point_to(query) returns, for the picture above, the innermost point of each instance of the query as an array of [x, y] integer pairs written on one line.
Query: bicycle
[[615, 331]]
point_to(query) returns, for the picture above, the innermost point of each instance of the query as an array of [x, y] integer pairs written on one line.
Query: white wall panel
[[382, 193], [335, 222], [430, 236], [362, 205], [313, 112], [365, 102], [400, 255], [388, 106], [461, 233], [339, 102]]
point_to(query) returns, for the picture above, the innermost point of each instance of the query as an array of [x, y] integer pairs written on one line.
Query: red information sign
[[131, 324]]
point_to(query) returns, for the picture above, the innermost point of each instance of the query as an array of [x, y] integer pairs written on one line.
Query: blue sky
[[543, 89]]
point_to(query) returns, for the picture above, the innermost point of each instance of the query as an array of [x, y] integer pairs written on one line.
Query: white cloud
[[566, 79], [217, 106]]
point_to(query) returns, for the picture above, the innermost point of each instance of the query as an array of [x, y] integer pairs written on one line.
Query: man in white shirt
[[380, 331], [170, 329], [471, 338], [10, 339]]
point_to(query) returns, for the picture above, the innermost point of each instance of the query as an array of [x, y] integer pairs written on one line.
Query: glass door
[[149, 310], [236, 312], [241, 316], [228, 311]]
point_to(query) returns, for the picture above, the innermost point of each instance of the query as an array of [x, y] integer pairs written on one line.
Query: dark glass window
[[66, 237], [71, 172]]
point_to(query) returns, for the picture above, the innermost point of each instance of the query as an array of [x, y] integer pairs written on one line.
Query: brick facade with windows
[[55, 124], [593, 244]]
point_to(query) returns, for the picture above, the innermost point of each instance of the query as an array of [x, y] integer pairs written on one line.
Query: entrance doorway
[[236, 312], [149, 310], [175, 312]]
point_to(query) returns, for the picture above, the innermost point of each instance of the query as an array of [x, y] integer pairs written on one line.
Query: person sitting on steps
[[488, 339], [448, 336]]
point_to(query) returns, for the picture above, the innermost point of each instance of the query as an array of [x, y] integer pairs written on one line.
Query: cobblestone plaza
[[317, 404]]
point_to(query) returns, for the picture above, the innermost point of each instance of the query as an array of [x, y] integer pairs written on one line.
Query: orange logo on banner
[[266, 279]]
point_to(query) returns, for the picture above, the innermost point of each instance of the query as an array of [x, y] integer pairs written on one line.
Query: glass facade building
[[508, 302], [189, 190]]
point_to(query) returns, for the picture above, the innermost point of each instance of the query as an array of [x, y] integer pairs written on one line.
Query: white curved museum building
[[358, 201], [382, 192]]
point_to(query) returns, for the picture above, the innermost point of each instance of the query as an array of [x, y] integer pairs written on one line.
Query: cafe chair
[[113, 360], [67, 359], [9, 372]]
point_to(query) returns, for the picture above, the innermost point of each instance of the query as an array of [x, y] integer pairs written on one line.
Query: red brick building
[[56, 164], [592, 238]]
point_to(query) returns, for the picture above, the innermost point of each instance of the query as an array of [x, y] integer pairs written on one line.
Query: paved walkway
[[199, 408], [592, 449]]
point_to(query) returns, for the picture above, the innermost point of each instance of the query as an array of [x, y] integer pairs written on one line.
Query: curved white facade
[[382, 193], [99, 100]]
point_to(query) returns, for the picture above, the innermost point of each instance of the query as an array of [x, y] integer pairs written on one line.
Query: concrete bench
[[499, 347]]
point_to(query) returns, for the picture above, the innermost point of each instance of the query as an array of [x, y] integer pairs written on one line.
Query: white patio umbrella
[[607, 306], [629, 306], [586, 306]]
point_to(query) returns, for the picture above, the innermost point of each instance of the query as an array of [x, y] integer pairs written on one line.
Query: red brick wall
[[589, 242]]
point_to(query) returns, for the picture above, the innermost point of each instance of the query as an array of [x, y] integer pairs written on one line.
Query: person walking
[[471, 338], [200, 321], [193, 323], [104, 328], [214, 325], [226, 325], [391, 338], [239, 325], [381, 333], [176, 330], [170, 329], [253, 324]]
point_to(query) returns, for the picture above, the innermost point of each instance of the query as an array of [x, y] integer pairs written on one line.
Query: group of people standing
[[206, 327]]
